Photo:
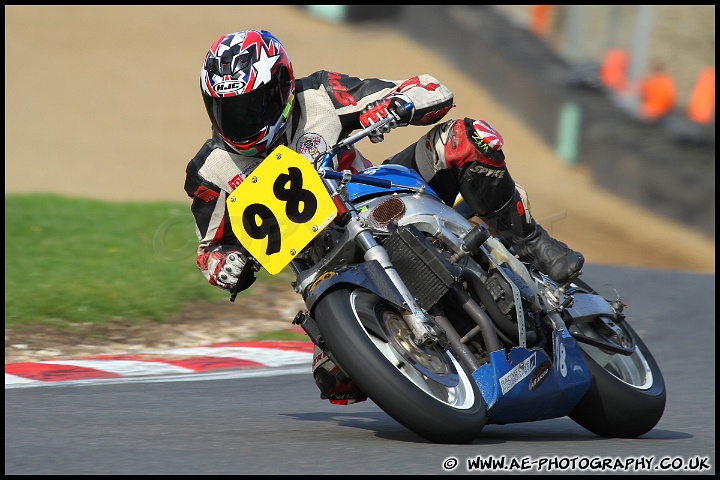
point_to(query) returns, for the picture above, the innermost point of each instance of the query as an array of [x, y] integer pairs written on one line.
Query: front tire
[[426, 390]]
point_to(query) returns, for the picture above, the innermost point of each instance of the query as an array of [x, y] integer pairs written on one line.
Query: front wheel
[[425, 389]]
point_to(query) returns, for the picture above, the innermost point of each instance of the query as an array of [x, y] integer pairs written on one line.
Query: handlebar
[[325, 159], [325, 169]]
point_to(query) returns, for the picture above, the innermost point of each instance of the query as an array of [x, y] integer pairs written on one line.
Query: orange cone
[[701, 108], [613, 71], [657, 94], [540, 19]]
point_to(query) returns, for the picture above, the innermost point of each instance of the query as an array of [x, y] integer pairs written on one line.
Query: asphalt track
[[266, 418]]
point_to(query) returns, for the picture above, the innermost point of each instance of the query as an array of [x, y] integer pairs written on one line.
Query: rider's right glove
[[225, 266], [391, 105]]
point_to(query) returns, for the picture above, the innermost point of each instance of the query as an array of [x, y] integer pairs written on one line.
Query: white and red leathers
[[462, 155]]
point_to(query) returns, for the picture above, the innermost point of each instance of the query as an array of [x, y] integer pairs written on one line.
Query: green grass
[[282, 335], [72, 260]]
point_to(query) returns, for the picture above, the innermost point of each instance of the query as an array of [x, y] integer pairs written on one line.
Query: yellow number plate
[[279, 208]]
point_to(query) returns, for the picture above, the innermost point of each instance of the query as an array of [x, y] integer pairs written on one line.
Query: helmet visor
[[243, 116]]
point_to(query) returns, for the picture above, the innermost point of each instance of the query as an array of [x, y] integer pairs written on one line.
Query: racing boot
[[333, 383], [516, 227]]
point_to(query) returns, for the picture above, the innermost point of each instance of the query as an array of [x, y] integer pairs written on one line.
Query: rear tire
[[426, 390], [627, 396]]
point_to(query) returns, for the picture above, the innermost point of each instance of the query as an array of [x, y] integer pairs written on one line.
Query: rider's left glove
[[393, 105]]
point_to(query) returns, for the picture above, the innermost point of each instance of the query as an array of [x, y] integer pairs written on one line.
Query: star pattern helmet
[[248, 87]]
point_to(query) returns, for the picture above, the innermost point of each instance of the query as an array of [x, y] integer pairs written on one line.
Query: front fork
[[421, 325]]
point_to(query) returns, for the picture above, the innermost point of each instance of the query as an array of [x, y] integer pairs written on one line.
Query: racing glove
[[224, 268], [391, 105]]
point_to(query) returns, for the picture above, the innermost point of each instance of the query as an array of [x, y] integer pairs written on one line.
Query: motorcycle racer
[[255, 103]]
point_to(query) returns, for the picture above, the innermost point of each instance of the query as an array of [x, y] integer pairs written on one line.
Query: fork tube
[[418, 320]]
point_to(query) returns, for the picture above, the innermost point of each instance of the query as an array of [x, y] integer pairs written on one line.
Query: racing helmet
[[248, 87]]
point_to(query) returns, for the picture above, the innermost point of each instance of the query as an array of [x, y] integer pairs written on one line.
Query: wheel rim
[[428, 359], [632, 369], [435, 372]]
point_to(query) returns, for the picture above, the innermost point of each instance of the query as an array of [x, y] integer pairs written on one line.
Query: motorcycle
[[430, 314]]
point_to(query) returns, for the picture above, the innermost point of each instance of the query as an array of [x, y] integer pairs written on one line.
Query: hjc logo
[[228, 86]]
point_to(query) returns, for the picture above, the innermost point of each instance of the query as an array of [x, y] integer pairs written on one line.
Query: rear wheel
[[425, 389], [627, 394]]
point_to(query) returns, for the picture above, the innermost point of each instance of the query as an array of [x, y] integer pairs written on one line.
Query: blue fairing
[[401, 178], [526, 385]]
